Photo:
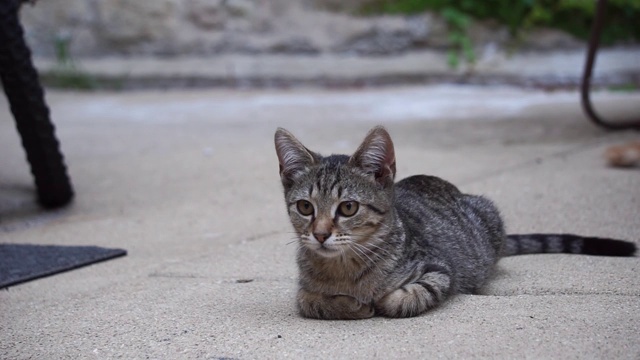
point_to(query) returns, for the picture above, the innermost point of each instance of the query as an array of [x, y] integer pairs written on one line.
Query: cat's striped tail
[[521, 244]]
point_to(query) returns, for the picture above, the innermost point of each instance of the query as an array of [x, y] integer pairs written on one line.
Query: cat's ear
[[376, 156], [294, 158]]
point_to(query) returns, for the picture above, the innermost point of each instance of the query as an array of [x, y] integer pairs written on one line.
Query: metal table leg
[[594, 42], [26, 99]]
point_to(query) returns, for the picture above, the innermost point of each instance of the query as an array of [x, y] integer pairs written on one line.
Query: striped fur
[[408, 246], [520, 244]]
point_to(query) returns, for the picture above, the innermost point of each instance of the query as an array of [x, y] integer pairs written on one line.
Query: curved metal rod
[[594, 42]]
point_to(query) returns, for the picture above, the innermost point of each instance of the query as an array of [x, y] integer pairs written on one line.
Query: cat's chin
[[326, 252]]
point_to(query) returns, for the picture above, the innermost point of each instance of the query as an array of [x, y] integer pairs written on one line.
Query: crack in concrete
[[538, 160]]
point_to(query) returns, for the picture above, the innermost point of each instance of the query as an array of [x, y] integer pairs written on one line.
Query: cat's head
[[336, 203]]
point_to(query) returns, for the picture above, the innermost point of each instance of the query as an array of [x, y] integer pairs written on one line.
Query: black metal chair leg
[[26, 99], [594, 42]]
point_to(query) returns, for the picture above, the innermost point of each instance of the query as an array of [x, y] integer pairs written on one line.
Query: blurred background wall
[[363, 27]]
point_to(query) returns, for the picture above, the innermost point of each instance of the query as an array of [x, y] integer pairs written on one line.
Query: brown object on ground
[[626, 155]]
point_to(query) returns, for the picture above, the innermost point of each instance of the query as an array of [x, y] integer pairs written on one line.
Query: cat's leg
[[415, 297], [332, 307]]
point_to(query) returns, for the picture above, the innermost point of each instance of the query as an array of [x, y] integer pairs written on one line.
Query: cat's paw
[[395, 304], [352, 308], [415, 298], [333, 307]]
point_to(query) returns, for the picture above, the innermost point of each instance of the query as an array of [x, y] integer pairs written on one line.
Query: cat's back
[[428, 190], [434, 210], [423, 201], [446, 226]]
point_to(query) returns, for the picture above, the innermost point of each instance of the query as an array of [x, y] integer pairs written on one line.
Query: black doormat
[[24, 262]]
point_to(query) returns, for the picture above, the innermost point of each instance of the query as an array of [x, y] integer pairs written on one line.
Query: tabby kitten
[[369, 246]]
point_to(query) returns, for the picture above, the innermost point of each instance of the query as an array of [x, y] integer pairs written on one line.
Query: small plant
[[61, 42], [458, 24], [66, 74]]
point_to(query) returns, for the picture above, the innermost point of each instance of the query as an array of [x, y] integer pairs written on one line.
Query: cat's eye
[[304, 207], [348, 208]]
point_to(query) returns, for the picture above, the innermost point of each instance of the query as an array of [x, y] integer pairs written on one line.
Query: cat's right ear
[[376, 156], [294, 158]]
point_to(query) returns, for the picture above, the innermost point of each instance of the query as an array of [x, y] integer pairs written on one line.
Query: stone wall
[[204, 27]]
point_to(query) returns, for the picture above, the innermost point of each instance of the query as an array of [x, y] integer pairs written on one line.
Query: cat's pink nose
[[321, 237]]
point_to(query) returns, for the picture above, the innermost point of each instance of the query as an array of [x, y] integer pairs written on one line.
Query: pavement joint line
[[538, 160], [27, 218], [559, 293], [264, 235], [222, 279]]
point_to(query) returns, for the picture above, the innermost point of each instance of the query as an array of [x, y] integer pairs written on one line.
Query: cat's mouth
[[323, 247], [327, 248], [326, 251]]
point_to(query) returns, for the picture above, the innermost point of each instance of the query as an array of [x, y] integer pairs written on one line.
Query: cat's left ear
[[294, 157], [376, 156]]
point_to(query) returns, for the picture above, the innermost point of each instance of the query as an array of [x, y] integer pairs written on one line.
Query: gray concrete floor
[[188, 183]]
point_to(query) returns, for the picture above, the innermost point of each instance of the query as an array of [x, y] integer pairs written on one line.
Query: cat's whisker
[[363, 249], [343, 254], [369, 243], [357, 253], [292, 241], [373, 265], [385, 251]]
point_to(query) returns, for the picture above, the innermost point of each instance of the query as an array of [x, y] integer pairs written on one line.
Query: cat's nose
[[321, 237]]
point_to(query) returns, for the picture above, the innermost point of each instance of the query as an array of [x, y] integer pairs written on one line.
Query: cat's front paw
[[415, 298], [333, 307], [352, 308]]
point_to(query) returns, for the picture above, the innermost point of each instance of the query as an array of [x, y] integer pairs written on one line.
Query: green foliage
[[622, 21], [572, 16], [61, 44], [458, 22], [626, 88]]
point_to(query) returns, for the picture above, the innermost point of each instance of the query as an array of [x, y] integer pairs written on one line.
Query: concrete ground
[[563, 68], [188, 183]]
